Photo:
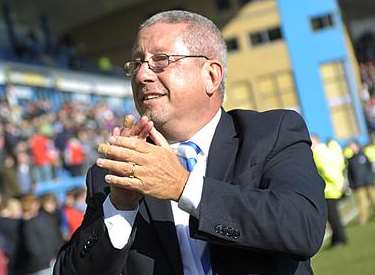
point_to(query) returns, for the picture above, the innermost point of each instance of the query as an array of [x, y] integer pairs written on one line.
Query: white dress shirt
[[119, 223]]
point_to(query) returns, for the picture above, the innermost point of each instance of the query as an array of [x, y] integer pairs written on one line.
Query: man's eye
[[159, 58]]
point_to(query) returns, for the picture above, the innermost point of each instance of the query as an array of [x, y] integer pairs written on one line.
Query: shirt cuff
[[191, 196], [119, 223]]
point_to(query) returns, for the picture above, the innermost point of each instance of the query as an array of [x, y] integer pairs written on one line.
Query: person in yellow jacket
[[332, 173], [337, 151], [369, 151]]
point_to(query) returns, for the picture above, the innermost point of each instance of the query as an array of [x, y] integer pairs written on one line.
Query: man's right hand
[[121, 198]]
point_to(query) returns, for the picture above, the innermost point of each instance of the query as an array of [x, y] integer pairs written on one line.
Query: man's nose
[[144, 73]]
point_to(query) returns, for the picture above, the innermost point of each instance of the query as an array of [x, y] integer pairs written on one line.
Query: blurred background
[[62, 90]]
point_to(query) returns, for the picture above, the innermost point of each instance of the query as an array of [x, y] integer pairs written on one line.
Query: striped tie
[[187, 153]]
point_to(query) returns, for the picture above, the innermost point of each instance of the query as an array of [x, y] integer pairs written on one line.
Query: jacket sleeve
[[90, 251], [276, 206]]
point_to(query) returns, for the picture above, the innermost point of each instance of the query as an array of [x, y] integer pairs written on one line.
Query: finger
[[159, 139], [129, 121], [139, 126], [145, 131], [133, 184], [120, 168], [132, 143], [119, 153], [116, 131], [132, 128], [127, 125]]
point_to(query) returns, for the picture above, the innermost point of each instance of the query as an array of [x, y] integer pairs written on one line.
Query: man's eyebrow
[[137, 53], [141, 54]]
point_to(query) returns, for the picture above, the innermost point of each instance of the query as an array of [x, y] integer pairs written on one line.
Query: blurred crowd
[[32, 229], [38, 146]]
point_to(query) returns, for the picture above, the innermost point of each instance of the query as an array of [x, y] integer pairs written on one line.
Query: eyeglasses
[[157, 63]]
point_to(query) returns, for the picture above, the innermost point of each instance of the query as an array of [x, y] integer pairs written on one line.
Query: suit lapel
[[221, 157], [223, 149], [161, 215]]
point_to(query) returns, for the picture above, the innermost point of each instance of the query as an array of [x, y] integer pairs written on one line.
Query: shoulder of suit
[[262, 115], [270, 119]]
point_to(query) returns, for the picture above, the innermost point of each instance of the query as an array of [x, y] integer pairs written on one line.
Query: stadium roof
[[66, 15]]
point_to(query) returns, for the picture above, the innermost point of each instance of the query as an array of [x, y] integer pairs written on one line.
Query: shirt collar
[[203, 137]]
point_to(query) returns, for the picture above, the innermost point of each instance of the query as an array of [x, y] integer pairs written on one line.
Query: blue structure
[[61, 187], [308, 50]]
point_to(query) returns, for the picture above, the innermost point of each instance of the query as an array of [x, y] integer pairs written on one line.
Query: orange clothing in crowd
[[74, 219], [3, 263], [39, 146], [74, 153]]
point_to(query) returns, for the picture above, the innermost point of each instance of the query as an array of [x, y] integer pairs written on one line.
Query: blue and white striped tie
[[188, 152]]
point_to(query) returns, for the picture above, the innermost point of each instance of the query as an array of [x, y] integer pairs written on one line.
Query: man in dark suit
[[246, 199]]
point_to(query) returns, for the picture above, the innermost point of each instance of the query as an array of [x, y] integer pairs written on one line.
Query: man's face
[[176, 94]]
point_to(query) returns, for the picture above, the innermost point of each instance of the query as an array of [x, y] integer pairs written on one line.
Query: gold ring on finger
[[132, 171]]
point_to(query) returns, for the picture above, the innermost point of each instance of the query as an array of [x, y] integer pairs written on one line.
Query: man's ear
[[214, 73]]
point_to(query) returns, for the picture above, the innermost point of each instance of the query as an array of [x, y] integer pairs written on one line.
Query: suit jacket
[[262, 209]]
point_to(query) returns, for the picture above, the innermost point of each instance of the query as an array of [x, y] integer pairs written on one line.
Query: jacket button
[[218, 228], [236, 234]]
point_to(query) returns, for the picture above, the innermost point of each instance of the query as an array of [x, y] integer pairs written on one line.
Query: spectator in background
[[24, 176], [361, 181], [41, 235], [49, 206], [10, 229], [331, 172], [62, 137], [34, 48], [40, 149], [73, 216], [8, 177], [337, 152], [105, 64], [338, 155], [66, 52], [2, 146], [3, 258], [80, 199], [11, 136], [369, 151], [74, 156]]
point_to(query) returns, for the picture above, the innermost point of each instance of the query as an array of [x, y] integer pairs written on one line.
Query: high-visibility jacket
[[329, 170], [369, 151], [338, 154], [348, 152]]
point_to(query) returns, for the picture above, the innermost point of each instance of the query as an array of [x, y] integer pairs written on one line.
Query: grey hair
[[202, 36]]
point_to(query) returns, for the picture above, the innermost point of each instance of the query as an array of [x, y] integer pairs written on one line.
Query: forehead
[[161, 38]]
